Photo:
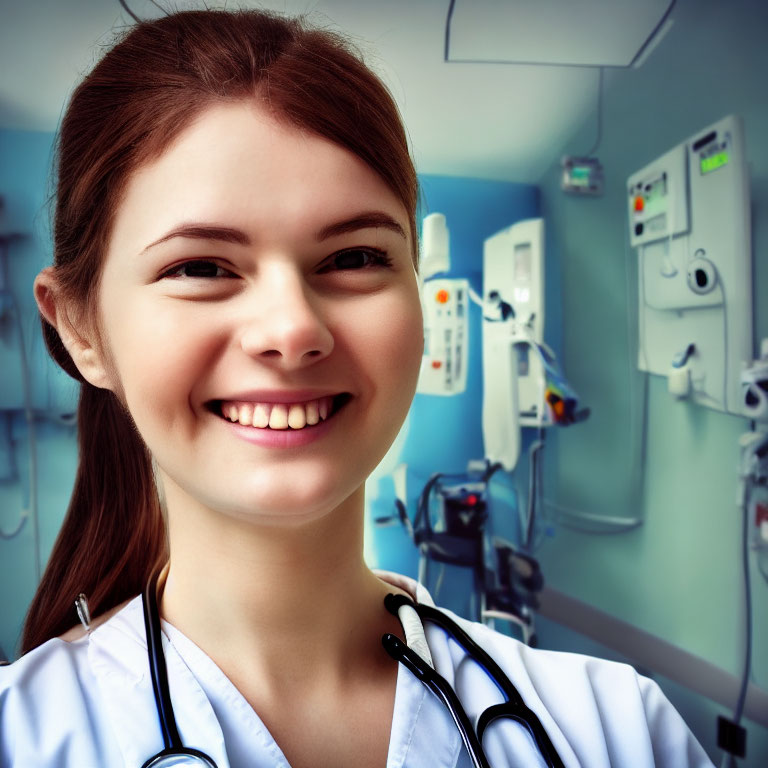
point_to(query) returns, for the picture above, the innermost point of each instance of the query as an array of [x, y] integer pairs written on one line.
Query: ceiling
[[469, 115]]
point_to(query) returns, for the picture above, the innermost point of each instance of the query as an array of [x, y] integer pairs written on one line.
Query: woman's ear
[[83, 350]]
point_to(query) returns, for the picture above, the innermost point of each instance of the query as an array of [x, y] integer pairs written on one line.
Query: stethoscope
[[176, 755]]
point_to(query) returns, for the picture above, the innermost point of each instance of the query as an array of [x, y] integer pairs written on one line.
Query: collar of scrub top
[[174, 754], [416, 659]]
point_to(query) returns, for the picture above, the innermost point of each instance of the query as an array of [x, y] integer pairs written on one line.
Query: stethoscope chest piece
[[179, 758]]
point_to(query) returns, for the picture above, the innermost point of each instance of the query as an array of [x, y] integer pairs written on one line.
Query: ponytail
[[113, 535]]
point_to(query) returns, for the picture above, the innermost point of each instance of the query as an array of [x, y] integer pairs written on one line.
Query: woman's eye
[[357, 258], [198, 268]]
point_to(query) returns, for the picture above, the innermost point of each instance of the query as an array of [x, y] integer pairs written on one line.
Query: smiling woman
[[185, 81], [325, 301], [235, 288]]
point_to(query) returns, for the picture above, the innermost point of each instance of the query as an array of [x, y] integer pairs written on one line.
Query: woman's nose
[[286, 326]]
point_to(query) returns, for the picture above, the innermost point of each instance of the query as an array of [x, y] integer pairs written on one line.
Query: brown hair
[[133, 104]]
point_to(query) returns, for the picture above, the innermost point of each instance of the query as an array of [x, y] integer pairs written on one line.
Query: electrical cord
[[31, 512], [129, 11], [24, 516], [16, 531], [750, 482], [540, 505], [599, 115], [729, 761], [135, 17], [439, 582], [6, 292], [585, 522], [534, 483], [748, 608], [762, 548], [421, 522], [725, 345], [29, 414], [447, 45], [645, 47]]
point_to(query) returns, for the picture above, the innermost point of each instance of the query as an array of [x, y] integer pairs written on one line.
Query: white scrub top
[[89, 704]]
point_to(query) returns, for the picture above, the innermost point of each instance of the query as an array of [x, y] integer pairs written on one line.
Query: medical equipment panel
[[446, 336], [582, 175], [754, 386], [513, 377], [689, 221]]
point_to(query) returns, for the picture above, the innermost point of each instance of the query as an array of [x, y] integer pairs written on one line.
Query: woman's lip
[[280, 396]]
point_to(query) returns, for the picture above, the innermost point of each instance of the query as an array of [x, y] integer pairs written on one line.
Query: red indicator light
[[437, 364], [471, 499], [639, 204], [442, 296]]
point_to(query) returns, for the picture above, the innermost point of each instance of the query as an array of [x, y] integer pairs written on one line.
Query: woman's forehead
[[236, 163]]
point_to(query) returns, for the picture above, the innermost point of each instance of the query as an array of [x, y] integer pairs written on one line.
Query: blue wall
[[444, 433]]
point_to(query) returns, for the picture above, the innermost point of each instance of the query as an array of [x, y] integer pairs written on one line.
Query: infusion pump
[[444, 363]]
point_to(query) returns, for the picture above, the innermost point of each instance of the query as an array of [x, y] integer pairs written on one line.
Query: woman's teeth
[[278, 415]]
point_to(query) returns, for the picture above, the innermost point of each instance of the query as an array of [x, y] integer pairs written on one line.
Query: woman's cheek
[[401, 344], [158, 356]]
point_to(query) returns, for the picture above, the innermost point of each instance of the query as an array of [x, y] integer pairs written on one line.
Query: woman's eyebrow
[[367, 220], [199, 231], [204, 232]]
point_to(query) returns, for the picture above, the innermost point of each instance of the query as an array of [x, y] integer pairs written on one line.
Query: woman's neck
[[275, 604]]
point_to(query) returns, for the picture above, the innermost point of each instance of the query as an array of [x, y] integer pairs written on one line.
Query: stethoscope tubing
[[399, 651], [158, 669], [173, 746], [513, 708]]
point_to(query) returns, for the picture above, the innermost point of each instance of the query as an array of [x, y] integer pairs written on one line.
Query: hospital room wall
[[678, 576], [25, 160]]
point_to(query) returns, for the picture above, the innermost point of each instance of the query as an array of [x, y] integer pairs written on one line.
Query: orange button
[[437, 364], [442, 296], [639, 204]]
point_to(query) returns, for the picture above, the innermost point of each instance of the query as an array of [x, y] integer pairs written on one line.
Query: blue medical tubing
[[514, 708]]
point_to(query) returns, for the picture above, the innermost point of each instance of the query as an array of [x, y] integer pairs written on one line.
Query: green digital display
[[713, 162], [580, 175], [656, 189]]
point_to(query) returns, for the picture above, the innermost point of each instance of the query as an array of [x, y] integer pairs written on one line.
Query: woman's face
[[250, 261]]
